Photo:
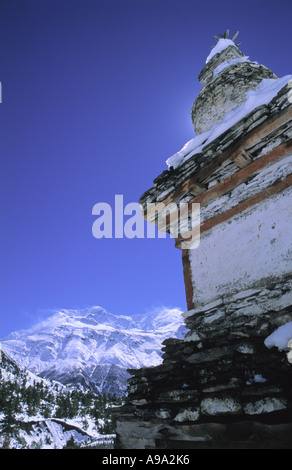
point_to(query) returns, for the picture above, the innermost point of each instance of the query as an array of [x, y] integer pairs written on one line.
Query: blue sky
[[96, 96]]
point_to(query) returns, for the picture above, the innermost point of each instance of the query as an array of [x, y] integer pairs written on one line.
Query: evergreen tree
[[71, 444]]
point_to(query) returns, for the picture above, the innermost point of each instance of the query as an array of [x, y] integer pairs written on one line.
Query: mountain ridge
[[92, 348]]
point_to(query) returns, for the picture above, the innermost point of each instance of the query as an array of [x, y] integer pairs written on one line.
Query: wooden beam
[[251, 138], [188, 279], [237, 178], [231, 182], [196, 188], [267, 127], [235, 151], [241, 158], [242, 206]]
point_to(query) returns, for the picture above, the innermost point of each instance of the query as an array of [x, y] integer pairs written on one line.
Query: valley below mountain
[[60, 378]]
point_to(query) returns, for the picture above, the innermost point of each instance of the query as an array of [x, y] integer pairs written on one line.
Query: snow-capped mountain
[[92, 348]]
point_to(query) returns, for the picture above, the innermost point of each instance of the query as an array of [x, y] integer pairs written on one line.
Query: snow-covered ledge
[[262, 95], [281, 338]]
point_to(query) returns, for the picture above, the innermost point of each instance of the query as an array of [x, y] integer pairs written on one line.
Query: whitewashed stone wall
[[244, 251]]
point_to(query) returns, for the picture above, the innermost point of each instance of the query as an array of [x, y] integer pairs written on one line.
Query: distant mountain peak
[[92, 348]]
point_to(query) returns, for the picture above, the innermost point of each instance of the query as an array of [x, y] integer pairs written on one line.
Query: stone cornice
[[253, 143]]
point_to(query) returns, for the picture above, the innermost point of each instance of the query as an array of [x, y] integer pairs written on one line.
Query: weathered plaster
[[244, 250]]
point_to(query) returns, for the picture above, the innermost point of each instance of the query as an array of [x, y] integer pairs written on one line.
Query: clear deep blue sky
[[96, 96]]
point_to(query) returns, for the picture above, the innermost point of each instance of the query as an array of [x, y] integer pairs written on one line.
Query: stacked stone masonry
[[222, 386]]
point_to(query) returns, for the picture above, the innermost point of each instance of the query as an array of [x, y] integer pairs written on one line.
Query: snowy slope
[[92, 347], [26, 425]]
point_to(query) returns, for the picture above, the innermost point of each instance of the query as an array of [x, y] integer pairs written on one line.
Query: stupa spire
[[226, 77], [226, 36]]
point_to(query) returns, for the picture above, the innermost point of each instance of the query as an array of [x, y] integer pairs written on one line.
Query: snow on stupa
[[227, 383], [227, 76], [233, 87]]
